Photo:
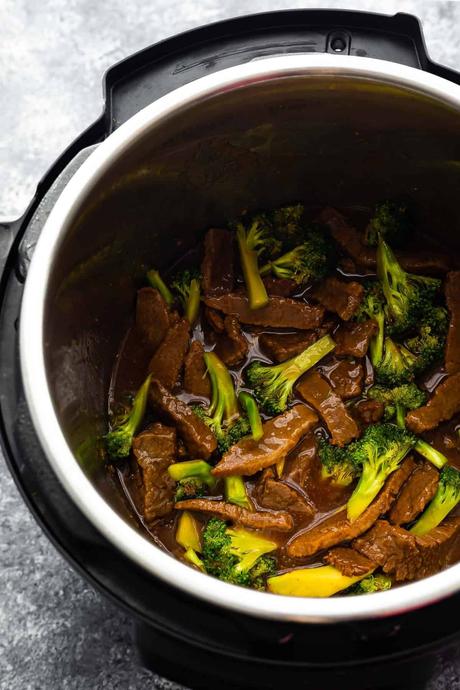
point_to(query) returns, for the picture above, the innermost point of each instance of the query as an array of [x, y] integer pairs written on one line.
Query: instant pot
[[326, 107]]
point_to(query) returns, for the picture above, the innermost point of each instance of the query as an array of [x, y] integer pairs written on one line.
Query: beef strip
[[154, 450], [416, 493], [351, 563], [281, 435], [300, 464], [198, 438], [340, 297], [279, 520], [196, 378], [346, 379], [406, 556], [352, 339], [316, 391], [277, 495], [442, 406], [337, 528], [167, 362], [282, 346], [453, 335], [281, 287], [369, 411], [215, 320], [217, 266], [231, 346], [152, 318], [280, 312], [350, 241]]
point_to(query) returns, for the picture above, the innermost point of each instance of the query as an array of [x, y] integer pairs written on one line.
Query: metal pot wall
[[323, 129]]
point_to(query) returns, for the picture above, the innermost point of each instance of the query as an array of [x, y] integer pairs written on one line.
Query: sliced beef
[[416, 493], [280, 312], [168, 360], [442, 406], [152, 318], [281, 287], [196, 378], [369, 411], [217, 267], [340, 297], [231, 346], [300, 463], [277, 495], [346, 379], [316, 391], [337, 528], [406, 556], [352, 339], [279, 520], [350, 241], [215, 320], [154, 450], [198, 438], [281, 435], [351, 563], [282, 346], [453, 334]]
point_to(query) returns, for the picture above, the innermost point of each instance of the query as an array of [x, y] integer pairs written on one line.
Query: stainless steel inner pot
[[323, 129]]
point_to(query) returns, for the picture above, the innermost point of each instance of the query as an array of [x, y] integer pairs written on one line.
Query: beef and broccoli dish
[[285, 407]]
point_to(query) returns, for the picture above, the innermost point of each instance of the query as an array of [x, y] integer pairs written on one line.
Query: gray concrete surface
[[55, 631]]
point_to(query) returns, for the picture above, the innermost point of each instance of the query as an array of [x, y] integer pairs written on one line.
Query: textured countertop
[[55, 631]]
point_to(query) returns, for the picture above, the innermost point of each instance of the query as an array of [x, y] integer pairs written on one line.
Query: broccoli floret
[[377, 454], [119, 440], [287, 225], [398, 400], [223, 416], [372, 308], [265, 567], [398, 365], [157, 282], [335, 464], [445, 499], [249, 405], [391, 221], [231, 554], [187, 286], [193, 478], [255, 241], [408, 297], [235, 492], [372, 583], [306, 261], [273, 384], [428, 346]]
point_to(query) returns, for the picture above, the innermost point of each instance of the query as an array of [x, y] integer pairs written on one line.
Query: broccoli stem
[[119, 440], [193, 302], [376, 344], [430, 453], [312, 582], [187, 532], [224, 403], [295, 367], [157, 282], [445, 499], [192, 468], [369, 485], [257, 292], [235, 492], [193, 557], [249, 405], [400, 415]]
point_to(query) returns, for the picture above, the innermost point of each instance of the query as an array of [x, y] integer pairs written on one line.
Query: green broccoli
[[445, 499], [287, 225], [372, 583], [390, 221], [335, 464], [398, 400], [430, 453], [249, 405], [187, 286], [428, 344], [254, 242], [119, 440], [235, 492], [408, 297], [157, 282], [273, 384], [306, 261], [223, 416], [193, 478], [398, 365], [377, 454], [232, 554], [372, 308]]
